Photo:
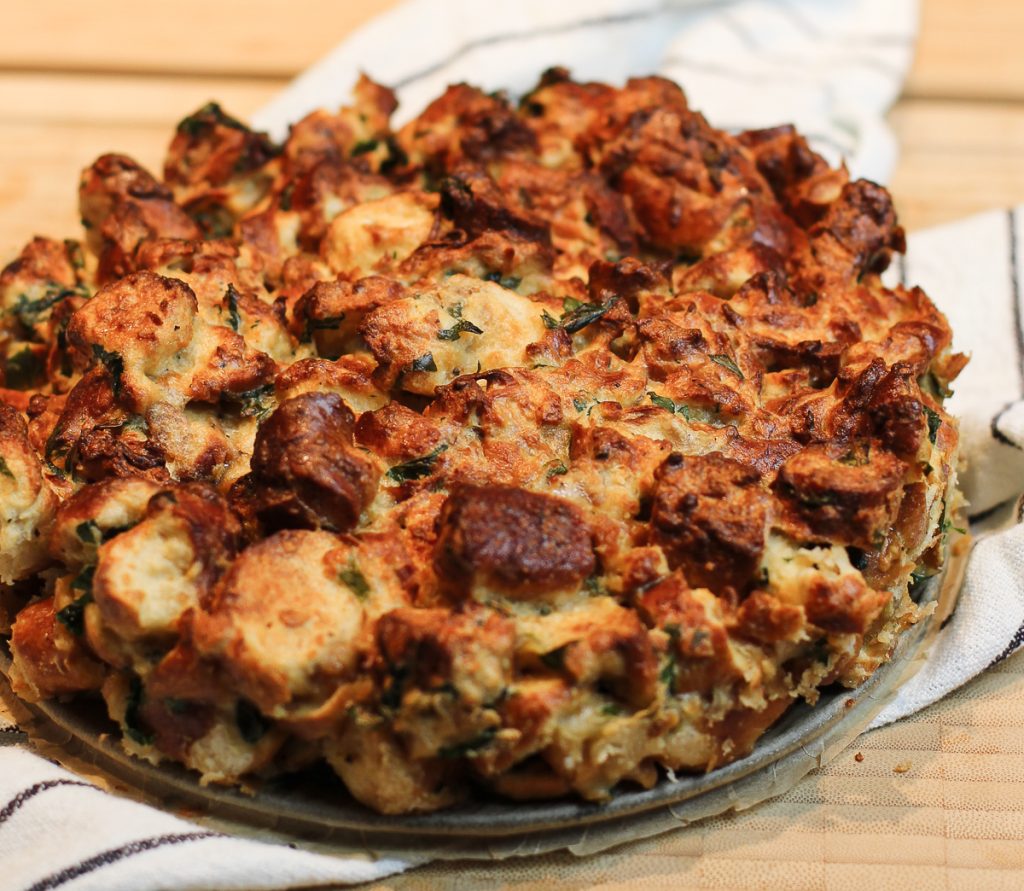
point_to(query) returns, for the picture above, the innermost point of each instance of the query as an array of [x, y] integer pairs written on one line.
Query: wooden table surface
[[78, 79]]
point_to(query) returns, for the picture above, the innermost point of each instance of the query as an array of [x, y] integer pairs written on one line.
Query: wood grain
[[253, 38], [956, 158], [967, 49]]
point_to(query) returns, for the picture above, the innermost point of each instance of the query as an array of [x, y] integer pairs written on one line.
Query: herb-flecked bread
[[530, 447]]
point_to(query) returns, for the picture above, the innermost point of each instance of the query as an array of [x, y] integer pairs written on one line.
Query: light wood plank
[[969, 49], [259, 38], [39, 169], [121, 99], [966, 49], [957, 158]]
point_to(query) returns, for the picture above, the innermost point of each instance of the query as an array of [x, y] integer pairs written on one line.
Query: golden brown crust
[[513, 541], [305, 472], [536, 446]]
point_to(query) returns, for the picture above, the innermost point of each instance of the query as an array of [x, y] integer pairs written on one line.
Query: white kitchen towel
[[971, 269], [833, 67]]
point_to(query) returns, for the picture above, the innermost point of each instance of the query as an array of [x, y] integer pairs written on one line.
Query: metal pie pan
[[315, 804]]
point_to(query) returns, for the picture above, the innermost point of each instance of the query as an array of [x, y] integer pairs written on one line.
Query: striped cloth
[[833, 67], [971, 269]]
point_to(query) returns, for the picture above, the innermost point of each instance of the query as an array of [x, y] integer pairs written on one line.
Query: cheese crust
[[534, 447]]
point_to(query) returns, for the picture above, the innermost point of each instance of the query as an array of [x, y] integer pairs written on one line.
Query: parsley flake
[[72, 616], [132, 726], [352, 578], [460, 327], [234, 319], [424, 363], [417, 468], [728, 363], [114, 365], [934, 422]]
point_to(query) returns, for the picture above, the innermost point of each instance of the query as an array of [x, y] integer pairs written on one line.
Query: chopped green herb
[[364, 147], [585, 314], [424, 363], [550, 322], [4, 469], [947, 524], [455, 310], [510, 282], [396, 156], [206, 118], [460, 327], [391, 698], [934, 387], [23, 369], [73, 249], [593, 586], [555, 659], [417, 468], [663, 402], [558, 470], [816, 499], [251, 402], [670, 406], [31, 312], [669, 671], [857, 457], [934, 422], [611, 708], [132, 724], [352, 577], [471, 748], [726, 362], [328, 323], [919, 575], [251, 724], [234, 319], [83, 581], [114, 365], [72, 616], [89, 532], [571, 304], [579, 404]]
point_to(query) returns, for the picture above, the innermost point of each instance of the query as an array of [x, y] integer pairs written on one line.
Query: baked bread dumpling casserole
[[532, 448]]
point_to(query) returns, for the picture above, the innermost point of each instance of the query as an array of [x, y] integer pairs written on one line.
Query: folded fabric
[[832, 67], [971, 269]]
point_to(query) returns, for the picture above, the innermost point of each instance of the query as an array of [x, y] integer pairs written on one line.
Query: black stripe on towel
[[1015, 642], [998, 434], [983, 515], [623, 18], [114, 855], [33, 791]]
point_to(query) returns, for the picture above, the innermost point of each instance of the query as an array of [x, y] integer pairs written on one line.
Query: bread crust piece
[[537, 446]]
